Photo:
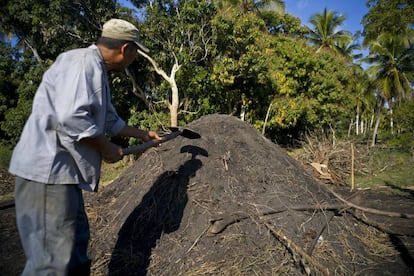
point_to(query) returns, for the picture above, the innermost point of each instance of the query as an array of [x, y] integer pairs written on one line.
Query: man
[[60, 150]]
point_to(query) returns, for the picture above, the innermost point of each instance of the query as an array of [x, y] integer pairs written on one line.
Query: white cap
[[122, 30]]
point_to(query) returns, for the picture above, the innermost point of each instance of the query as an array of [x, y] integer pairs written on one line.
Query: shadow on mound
[[160, 211]]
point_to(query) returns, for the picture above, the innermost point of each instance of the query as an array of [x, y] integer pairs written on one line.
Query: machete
[[187, 133]]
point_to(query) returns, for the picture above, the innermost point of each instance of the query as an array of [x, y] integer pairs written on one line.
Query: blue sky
[[354, 10]]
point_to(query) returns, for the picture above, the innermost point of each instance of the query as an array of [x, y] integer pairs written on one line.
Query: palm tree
[[325, 34], [391, 59]]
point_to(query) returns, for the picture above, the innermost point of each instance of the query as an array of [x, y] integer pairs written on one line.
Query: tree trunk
[[371, 123], [374, 135], [350, 127], [34, 51], [174, 103], [362, 127], [357, 121], [173, 106], [267, 117]]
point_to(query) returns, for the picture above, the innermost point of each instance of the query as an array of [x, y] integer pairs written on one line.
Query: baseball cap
[[122, 30]]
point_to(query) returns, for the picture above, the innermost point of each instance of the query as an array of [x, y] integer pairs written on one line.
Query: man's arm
[[129, 131], [110, 151]]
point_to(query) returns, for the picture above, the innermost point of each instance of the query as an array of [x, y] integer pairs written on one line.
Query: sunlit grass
[[109, 172], [389, 168]]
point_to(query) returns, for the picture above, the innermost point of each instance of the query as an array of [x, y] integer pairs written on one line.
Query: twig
[[371, 210], [315, 240], [198, 238], [222, 221], [328, 219], [294, 248]]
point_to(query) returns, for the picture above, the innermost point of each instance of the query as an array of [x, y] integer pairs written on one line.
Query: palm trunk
[[357, 121], [379, 113]]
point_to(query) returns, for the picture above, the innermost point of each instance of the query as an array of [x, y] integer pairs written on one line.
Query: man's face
[[126, 56]]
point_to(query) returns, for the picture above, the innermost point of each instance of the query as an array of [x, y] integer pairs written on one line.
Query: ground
[[233, 203]]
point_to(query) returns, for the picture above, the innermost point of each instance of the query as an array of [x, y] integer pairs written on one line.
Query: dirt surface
[[233, 203]]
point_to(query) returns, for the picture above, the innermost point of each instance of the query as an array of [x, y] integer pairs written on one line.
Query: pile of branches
[[331, 159]]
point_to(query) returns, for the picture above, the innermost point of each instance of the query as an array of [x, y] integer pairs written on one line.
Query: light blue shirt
[[72, 102]]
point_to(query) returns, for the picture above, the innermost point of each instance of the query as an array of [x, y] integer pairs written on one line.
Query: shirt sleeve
[[114, 124]]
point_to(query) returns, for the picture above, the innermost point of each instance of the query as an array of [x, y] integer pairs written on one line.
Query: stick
[[294, 248], [328, 219], [371, 210], [352, 168], [222, 221], [197, 239]]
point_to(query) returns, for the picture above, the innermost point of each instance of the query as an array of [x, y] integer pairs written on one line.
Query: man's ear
[[124, 48]]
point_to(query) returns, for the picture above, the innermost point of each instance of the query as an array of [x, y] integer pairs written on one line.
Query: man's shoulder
[[79, 52], [80, 57]]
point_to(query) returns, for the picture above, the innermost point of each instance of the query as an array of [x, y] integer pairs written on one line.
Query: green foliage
[[15, 117], [49, 27], [9, 81], [239, 72], [404, 116], [312, 90], [388, 16], [287, 24], [155, 121], [148, 121], [404, 121], [5, 155]]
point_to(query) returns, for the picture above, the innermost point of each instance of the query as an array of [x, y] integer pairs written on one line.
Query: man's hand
[[112, 153], [150, 135]]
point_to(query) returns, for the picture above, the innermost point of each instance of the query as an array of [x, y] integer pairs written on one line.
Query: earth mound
[[231, 203]]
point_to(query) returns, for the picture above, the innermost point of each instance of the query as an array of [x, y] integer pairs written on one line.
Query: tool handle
[[143, 147]]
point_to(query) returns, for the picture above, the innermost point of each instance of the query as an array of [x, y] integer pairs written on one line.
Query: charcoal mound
[[229, 203]]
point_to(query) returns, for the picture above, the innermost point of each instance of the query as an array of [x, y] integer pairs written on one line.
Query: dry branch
[[295, 249], [371, 210], [221, 221]]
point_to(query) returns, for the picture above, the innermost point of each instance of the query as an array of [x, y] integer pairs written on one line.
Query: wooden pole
[[352, 168]]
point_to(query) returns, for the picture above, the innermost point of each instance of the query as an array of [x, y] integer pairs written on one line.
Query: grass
[[387, 167], [111, 171]]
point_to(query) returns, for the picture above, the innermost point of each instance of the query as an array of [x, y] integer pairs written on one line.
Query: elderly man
[[60, 150]]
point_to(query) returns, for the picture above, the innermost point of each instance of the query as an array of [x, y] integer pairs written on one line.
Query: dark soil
[[233, 203]]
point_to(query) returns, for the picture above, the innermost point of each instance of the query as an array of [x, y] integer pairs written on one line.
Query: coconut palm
[[324, 35], [391, 60]]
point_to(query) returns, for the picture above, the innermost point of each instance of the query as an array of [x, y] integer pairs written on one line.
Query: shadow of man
[[160, 211]]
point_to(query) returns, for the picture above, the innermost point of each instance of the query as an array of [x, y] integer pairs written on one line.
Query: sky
[[354, 11]]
